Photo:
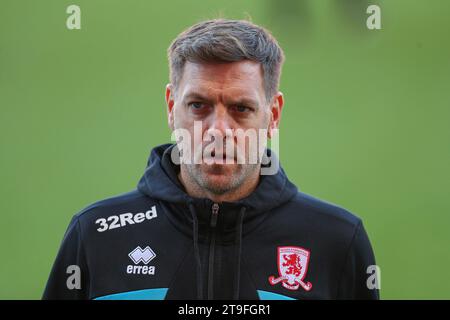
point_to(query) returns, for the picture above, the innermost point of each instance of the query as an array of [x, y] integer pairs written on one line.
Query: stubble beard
[[238, 177]]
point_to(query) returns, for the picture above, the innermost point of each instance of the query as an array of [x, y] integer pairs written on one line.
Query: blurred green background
[[365, 124]]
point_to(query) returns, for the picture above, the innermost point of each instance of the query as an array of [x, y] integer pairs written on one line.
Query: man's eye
[[196, 105], [242, 109]]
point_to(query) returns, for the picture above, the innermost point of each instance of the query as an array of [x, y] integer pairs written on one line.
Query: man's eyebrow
[[196, 96], [234, 101], [244, 102]]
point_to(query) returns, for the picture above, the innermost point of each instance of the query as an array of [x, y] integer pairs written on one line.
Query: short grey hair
[[223, 40]]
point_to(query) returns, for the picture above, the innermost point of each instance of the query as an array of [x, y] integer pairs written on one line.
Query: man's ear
[[170, 102], [275, 112]]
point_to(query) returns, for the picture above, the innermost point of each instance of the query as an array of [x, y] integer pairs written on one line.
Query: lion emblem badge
[[292, 267]]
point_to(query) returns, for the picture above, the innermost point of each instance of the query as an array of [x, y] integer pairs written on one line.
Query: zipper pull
[[215, 214]]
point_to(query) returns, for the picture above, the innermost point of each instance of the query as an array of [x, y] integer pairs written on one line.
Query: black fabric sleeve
[[358, 276], [70, 263]]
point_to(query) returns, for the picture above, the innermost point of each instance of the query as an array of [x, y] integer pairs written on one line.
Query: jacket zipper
[[212, 245]]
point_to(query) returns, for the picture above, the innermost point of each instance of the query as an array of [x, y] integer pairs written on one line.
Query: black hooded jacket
[[156, 242]]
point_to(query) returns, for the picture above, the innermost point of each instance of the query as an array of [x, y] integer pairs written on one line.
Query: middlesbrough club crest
[[292, 268]]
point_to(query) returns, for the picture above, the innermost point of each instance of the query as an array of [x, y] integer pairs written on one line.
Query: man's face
[[222, 97]]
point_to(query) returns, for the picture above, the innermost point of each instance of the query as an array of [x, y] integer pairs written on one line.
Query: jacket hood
[[160, 181]]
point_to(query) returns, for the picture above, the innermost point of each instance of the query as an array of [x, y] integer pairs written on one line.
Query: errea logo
[[124, 219], [139, 255]]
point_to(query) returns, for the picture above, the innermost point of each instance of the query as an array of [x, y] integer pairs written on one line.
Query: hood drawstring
[[197, 252], [238, 242]]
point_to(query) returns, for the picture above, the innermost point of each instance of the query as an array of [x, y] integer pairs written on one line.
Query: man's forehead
[[238, 78], [233, 69]]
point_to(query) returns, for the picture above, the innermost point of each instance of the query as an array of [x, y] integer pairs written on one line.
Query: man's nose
[[221, 120]]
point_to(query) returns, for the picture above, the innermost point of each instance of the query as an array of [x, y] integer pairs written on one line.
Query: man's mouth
[[221, 157]]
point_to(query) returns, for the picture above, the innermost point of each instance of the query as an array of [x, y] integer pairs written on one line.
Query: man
[[204, 222]]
